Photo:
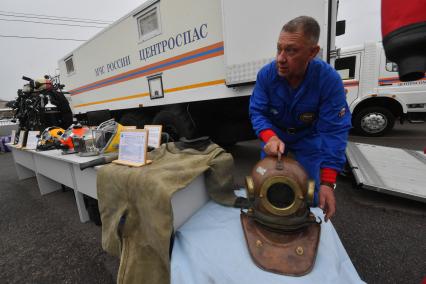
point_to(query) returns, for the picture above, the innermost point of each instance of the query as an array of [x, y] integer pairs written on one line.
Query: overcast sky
[[36, 57]]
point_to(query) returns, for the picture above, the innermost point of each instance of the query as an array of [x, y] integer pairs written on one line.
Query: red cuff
[[266, 134], [328, 175]]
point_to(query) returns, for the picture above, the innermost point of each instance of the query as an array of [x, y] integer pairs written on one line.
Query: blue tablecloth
[[210, 248]]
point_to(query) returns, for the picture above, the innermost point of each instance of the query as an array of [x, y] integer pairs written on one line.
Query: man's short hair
[[307, 25]]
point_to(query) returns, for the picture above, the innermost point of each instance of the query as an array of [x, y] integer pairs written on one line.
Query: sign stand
[[22, 138], [133, 148], [131, 164], [32, 140], [13, 137], [154, 135]]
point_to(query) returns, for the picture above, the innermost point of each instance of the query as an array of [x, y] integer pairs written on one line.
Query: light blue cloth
[[210, 248]]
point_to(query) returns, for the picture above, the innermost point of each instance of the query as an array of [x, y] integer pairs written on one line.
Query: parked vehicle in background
[[376, 96], [189, 65]]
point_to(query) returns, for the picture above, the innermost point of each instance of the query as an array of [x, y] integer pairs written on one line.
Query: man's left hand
[[327, 201]]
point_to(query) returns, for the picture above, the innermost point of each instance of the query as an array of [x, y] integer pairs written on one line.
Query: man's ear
[[314, 51]]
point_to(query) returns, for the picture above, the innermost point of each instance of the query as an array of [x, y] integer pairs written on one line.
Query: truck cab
[[375, 95]]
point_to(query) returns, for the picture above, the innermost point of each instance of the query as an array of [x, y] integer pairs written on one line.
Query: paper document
[[133, 145]]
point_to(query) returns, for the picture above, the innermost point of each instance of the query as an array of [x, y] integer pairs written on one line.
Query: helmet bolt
[[299, 251]]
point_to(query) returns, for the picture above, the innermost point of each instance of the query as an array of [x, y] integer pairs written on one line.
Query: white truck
[[189, 65], [375, 95]]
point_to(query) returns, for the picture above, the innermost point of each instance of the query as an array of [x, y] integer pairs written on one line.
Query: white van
[[374, 93], [188, 65]]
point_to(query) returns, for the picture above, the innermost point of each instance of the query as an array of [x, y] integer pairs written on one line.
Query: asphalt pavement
[[43, 241]]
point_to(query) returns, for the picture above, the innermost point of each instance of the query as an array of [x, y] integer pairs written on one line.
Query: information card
[[21, 142], [132, 148], [32, 140], [154, 135], [13, 137]]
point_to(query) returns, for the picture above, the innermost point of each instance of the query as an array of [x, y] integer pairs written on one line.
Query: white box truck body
[[189, 65], [375, 94]]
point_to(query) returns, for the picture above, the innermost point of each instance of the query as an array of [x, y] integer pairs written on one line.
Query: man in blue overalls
[[298, 105]]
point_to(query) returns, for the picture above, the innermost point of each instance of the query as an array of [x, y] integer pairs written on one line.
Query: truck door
[[348, 66]]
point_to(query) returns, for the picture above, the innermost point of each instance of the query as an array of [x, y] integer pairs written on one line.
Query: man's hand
[[327, 201], [274, 146]]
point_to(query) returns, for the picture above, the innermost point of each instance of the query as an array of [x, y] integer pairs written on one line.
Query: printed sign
[[32, 140], [21, 141], [154, 135], [13, 137], [132, 147]]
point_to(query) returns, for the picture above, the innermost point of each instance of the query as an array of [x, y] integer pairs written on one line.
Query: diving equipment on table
[[107, 136], [50, 138], [74, 131], [85, 145], [282, 234]]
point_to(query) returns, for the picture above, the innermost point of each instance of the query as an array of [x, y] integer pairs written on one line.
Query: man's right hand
[[274, 146]]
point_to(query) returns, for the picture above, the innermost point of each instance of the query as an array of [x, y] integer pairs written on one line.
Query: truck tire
[[134, 119], [373, 121], [175, 124]]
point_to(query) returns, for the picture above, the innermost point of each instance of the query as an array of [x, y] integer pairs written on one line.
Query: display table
[[24, 162], [52, 170]]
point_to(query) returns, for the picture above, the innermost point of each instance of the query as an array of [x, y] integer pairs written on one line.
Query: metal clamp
[[279, 166]]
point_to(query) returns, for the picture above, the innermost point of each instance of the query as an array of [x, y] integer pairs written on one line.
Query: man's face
[[294, 52]]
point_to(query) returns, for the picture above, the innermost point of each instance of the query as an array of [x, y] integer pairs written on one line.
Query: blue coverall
[[312, 120]]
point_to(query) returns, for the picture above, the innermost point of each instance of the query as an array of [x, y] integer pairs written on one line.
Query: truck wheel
[[175, 124], [374, 121], [134, 119]]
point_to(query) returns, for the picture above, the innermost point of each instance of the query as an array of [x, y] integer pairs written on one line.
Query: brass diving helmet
[[281, 233]]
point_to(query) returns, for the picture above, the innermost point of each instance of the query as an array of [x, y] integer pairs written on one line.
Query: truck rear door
[[251, 30]]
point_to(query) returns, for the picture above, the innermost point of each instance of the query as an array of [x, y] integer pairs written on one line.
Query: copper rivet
[[250, 210], [299, 251], [301, 197], [260, 195], [259, 243]]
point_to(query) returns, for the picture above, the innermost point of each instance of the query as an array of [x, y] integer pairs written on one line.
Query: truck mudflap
[[394, 171]]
